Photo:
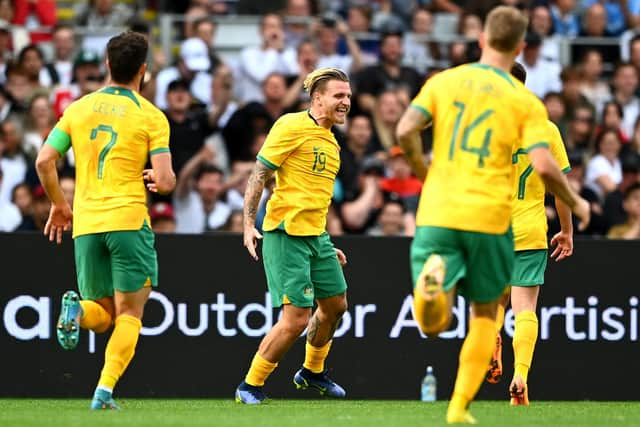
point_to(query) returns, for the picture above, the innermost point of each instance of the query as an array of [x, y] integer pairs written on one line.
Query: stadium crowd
[[220, 110]]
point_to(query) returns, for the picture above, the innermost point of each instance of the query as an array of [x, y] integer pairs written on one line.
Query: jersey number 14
[[482, 151]]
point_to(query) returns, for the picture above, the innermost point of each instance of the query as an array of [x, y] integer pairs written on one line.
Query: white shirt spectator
[[631, 110], [200, 86], [342, 62], [10, 217], [416, 54], [542, 77], [14, 170], [191, 217], [256, 64], [599, 166]]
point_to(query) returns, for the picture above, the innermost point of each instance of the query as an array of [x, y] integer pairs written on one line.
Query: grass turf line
[[307, 413]]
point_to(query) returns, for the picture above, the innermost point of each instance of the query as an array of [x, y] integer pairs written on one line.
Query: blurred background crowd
[[224, 71]]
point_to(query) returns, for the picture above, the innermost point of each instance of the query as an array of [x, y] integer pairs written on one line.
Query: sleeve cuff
[[267, 163]]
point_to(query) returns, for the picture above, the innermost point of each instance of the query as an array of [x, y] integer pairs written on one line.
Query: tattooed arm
[[408, 134], [261, 173]]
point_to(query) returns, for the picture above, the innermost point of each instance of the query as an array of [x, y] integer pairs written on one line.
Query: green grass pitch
[[308, 413]]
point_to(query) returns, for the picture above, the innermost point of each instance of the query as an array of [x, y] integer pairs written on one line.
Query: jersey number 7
[[107, 148]]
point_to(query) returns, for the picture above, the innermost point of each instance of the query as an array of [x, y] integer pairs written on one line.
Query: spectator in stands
[[31, 62], [386, 16], [255, 118], [418, 53], [100, 14], [357, 146], [625, 86], [61, 69], [593, 87], [191, 15], [594, 22], [300, 12], [18, 87], [630, 229], [5, 48], [634, 53], [307, 62], [87, 78], [571, 78], [196, 199], [235, 223], [13, 160], [236, 184], [39, 213], [565, 19], [449, 6], [162, 218], [604, 170], [256, 63], [37, 16], [580, 131], [386, 114], [327, 33], [10, 217], [400, 180], [39, 120], [557, 110], [614, 15], [612, 117], [389, 74], [8, 108], [359, 21], [391, 221], [188, 128], [192, 67], [222, 103], [23, 199], [6, 10], [540, 22], [205, 29], [360, 209], [542, 75]]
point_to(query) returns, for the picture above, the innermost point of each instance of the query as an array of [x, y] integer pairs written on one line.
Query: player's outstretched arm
[[261, 173], [408, 133], [563, 240], [546, 167], [60, 215]]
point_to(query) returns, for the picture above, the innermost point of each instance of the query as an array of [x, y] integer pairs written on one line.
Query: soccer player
[[112, 132], [463, 242], [529, 223], [300, 261]]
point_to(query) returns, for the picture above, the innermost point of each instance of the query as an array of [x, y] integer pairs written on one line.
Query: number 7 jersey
[[479, 114], [529, 215], [112, 133]]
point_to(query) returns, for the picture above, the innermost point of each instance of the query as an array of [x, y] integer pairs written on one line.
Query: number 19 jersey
[[112, 132], [479, 113]]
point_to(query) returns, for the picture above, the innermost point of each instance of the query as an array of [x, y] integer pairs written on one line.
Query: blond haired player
[[113, 132], [300, 262], [463, 242], [529, 224]]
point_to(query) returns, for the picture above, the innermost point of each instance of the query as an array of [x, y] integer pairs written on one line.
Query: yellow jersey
[[529, 220], [306, 158], [112, 132], [479, 113]]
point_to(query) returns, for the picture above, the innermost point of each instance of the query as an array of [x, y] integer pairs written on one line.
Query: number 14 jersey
[[112, 133], [480, 114]]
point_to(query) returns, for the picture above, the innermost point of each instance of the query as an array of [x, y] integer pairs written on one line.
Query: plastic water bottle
[[428, 389]]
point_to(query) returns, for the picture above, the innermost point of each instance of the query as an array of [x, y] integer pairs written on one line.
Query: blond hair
[[505, 27], [317, 79]]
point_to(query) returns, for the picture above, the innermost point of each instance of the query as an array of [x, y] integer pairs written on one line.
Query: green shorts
[[480, 264], [124, 261], [529, 268], [301, 269]]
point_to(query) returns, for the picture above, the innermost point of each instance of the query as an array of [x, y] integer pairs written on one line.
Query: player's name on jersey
[[109, 109]]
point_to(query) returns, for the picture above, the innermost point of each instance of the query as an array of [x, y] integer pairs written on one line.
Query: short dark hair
[[207, 168], [518, 71], [126, 53], [632, 188], [26, 49]]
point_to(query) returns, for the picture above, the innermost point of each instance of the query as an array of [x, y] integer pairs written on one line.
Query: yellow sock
[[120, 350], [259, 371], [500, 318], [525, 336], [474, 358], [94, 316], [314, 357], [431, 316]]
